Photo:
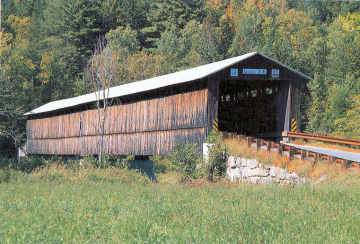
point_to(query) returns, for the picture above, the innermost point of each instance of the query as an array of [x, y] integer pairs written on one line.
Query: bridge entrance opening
[[249, 107]]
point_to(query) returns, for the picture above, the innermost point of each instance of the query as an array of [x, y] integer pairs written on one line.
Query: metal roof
[[154, 83]]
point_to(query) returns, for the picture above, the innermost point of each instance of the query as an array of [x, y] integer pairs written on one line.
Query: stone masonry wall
[[251, 171]]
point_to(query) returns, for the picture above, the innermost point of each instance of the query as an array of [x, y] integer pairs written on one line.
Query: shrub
[[218, 154], [184, 159], [4, 176], [107, 162], [30, 163], [6, 162], [161, 164], [122, 162]]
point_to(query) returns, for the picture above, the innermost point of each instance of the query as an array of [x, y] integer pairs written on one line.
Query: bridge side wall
[[148, 127]]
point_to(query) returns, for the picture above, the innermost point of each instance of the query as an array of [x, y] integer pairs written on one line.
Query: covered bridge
[[251, 94]]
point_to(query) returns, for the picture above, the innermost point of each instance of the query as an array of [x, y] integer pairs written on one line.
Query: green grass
[[57, 208]]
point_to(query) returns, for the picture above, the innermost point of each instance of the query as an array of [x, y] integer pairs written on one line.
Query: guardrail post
[[280, 149], [248, 141], [303, 154], [316, 159], [268, 146], [291, 152], [258, 144], [347, 164]]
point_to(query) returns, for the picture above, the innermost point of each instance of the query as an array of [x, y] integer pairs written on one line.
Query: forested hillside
[[46, 46]]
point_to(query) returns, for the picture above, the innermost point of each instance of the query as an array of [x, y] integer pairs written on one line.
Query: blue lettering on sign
[[234, 72], [275, 73], [254, 71]]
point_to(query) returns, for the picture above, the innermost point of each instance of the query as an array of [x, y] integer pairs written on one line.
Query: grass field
[[119, 206]]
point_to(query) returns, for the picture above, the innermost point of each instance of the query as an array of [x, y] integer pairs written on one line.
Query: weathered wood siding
[[145, 127], [286, 102]]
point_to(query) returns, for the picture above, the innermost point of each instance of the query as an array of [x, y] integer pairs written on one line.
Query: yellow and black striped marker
[[293, 125], [216, 124]]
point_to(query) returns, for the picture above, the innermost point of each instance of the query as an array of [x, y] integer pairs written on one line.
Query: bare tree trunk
[[101, 69]]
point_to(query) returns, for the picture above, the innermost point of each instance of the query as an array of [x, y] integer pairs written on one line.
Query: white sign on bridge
[[254, 71]]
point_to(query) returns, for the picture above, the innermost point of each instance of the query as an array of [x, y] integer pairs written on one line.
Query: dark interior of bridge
[[248, 107]]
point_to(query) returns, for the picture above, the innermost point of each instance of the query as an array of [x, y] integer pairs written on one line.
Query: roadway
[[351, 156]]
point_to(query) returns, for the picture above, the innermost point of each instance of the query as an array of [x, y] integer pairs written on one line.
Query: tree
[[18, 61], [142, 65], [248, 36], [205, 42], [131, 64], [352, 125], [341, 76], [132, 12], [171, 50], [318, 104], [169, 12], [11, 119], [55, 82], [343, 44], [294, 36], [101, 70], [76, 22], [123, 42]]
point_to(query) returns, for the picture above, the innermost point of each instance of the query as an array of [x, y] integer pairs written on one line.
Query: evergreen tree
[[123, 43], [55, 81], [171, 50], [169, 12]]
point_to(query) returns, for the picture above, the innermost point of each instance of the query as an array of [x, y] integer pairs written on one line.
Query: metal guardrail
[[288, 150], [288, 134]]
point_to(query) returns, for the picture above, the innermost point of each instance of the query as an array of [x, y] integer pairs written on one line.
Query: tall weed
[[184, 159], [218, 154]]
